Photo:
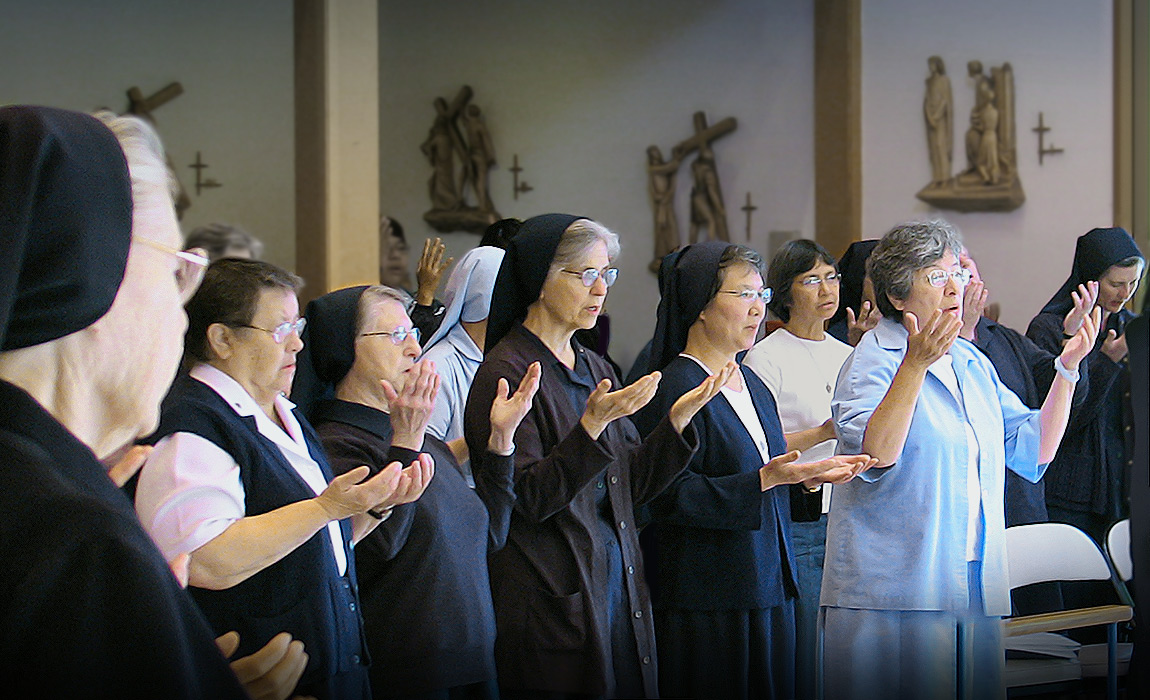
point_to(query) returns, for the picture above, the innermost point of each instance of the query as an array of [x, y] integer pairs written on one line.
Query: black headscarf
[[852, 266], [687, 276], [328, 347], [65, 223], [1094, 253], [523, 272]]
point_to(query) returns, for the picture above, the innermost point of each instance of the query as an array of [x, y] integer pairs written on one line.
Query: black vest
[[302, 594]]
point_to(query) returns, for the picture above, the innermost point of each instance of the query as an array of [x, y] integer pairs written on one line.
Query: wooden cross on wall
[[143, 107]]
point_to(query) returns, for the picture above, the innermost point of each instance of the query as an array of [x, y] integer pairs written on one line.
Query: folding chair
[[1118, 549], [1059, 552]]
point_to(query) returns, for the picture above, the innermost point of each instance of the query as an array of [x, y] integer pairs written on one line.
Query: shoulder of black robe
[[65, 223], [328, 347], [685, 293], [523, 271], [852, 267], [1094, 253]]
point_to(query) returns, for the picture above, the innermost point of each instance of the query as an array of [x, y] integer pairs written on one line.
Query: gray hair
[[370, 301], [578, 239], [903, 251], [218, 237], [144, 152]]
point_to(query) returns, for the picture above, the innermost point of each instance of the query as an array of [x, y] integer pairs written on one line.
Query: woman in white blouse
[[799, 363], [238, 481]]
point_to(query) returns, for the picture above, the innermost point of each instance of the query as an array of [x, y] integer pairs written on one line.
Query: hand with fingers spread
[[1078, 346], [1084, 299], [687, 405], [868, 318], [270, 673], [430, 270], [973, 302], [604, 405], [926, 345], [411, 406], [349, 494], [507, 412]]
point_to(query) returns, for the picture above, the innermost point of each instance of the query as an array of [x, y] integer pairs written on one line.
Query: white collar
[[245, 406]]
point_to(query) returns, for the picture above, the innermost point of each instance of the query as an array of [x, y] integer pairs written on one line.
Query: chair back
[[1052, 552], [1118, 547]]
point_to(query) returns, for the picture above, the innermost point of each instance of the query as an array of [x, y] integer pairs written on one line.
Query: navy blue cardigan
[[302, 593], [723, 544]]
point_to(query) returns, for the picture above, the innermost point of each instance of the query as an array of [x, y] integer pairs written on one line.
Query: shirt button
[[599, 485], [351, 605], [622, 525], [638, 614], [646, 659], [355, 658], [614, 479], [630, 569]]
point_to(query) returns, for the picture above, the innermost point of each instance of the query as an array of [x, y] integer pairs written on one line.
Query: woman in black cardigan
[[571, 604], [1087, 483], [423, 578], [725, 606]]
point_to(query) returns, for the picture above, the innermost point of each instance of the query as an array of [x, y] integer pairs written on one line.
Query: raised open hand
[[430, 270], [687, 405], [1084, 299], [604, 405], [926, 345], [1114, 346], [413, 481], [1080, 345], [508, 411], [867, 319], [410, 408], [835, 470], [973, 302]]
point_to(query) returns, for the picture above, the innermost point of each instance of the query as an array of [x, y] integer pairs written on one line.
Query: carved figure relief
[[458, 133], [707, 209], [990, 180]]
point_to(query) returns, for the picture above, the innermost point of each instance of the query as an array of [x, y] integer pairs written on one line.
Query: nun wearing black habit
[[571, 605], [724, 609], [424, 589], [1087, 483], [91, 329]]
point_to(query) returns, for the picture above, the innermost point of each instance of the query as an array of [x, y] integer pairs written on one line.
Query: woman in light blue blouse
[[915, 545]]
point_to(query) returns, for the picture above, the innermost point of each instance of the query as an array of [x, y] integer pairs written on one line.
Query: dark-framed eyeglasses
[[609, 275], [814, 280], [937, 278], [397, 334], [750, 295], [281, 332], [191, 270]]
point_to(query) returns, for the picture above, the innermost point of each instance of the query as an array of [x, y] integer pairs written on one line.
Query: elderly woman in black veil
[[92, 281], [857, 312], [571, 605], [725, 615], [1087, 483], [423, 577]]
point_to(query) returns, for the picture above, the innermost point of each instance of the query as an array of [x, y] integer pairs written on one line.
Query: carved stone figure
[[938, 110], [480, 156], [661, 188], [445, 143], [990, 181], [707, 208]]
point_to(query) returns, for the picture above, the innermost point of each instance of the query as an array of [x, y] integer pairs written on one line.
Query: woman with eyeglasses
[[915, 546], [423, 572], [238, 481], [724, 606], [571, 604], [800, 364]]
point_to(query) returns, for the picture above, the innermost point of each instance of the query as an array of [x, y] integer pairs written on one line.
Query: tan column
[[337, 143], [838, 124]]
